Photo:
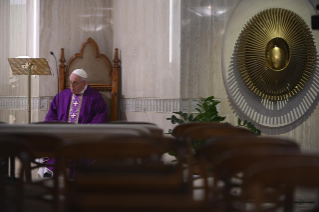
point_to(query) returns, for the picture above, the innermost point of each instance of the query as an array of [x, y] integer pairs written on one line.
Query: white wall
[[147, 34], [13, 39]]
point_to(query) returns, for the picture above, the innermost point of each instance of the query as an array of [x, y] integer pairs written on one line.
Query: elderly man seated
[[78, 104]]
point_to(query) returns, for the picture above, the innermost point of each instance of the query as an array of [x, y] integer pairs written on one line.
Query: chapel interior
[[149, 59]]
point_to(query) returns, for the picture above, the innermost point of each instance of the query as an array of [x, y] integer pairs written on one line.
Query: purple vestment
[[93, 110]]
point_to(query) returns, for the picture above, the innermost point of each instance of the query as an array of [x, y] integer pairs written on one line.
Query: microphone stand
[[56, 66]]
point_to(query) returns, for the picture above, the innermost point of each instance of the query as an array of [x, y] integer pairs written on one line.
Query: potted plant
[[207, 112]]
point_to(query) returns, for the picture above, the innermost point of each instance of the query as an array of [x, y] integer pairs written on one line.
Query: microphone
[[56, 66]]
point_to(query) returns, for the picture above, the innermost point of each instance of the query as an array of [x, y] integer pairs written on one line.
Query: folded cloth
[[43, 170]]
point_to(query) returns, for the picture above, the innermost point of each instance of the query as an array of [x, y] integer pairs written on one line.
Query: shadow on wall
[[107, 98], [285, 115], [123, 116]]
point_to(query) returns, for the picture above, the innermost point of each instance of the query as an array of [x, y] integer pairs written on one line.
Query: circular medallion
[[269, 67], [276, 54]]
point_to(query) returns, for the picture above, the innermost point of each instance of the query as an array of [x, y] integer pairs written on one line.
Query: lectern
[[29, 66]]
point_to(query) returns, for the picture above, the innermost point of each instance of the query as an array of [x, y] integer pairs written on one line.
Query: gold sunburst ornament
[[276, 54]]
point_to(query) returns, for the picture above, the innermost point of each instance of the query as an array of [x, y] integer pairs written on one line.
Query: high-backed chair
[[263, 179], [102, 75], [226, 158], [125, 174]]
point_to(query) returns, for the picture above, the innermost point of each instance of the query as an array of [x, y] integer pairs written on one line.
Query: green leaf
[[211, 98], [184, 115], [199, 105], [174, 119], [180, 121], [172, 153], [239, 122], [170, 131], [251, 127], [258, 132]]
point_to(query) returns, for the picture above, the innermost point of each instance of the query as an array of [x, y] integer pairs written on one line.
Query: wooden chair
[[226, 158], [179, 130], [211, 131], [11, 188], [195, 134], [125, 175], [130, 122], [263, 179], [194, 131], [52, 122], [41, 145]]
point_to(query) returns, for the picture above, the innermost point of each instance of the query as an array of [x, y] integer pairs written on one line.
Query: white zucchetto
[[80, 72]]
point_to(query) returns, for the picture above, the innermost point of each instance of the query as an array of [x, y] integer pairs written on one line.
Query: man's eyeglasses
[[75, 83]]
